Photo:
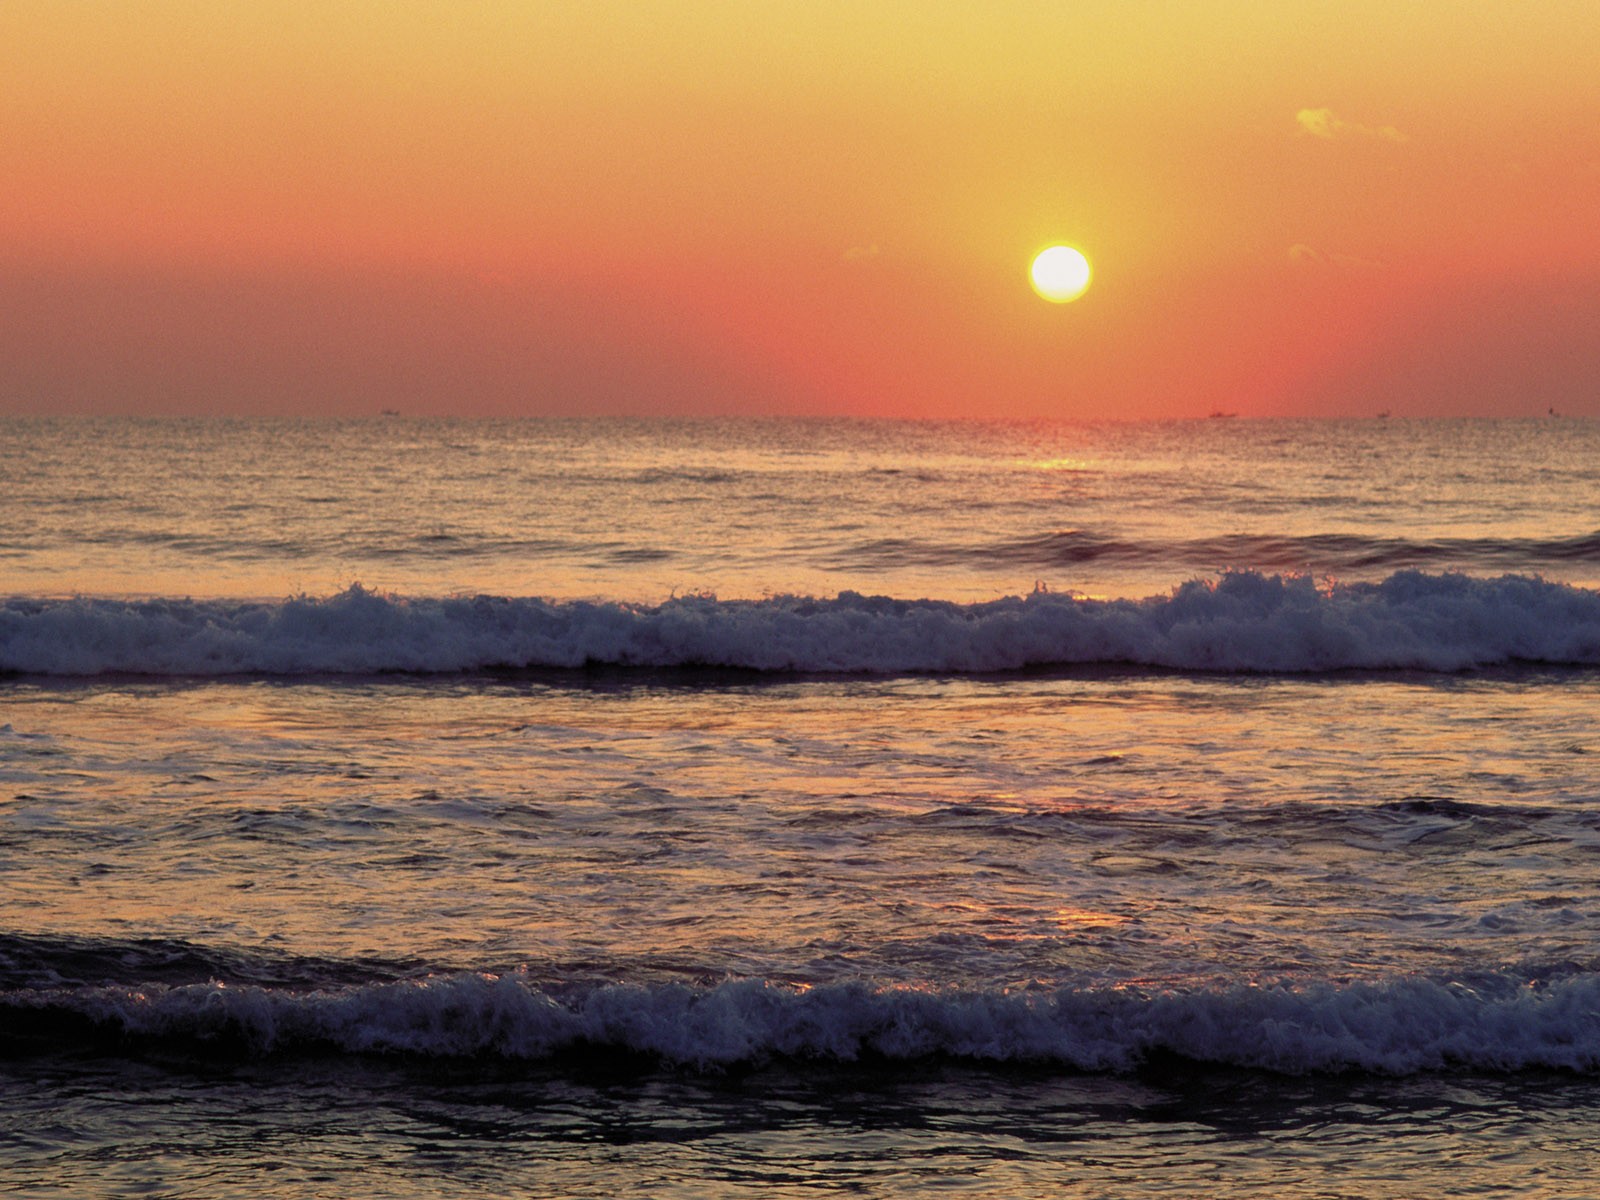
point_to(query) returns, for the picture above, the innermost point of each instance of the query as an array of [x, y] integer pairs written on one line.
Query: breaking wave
[[1243, 621], [1402, 1026]]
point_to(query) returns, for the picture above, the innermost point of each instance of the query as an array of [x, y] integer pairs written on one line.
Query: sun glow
[[1060, 274]]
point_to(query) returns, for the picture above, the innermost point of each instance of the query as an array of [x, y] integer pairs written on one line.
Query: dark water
[[600, 1128]]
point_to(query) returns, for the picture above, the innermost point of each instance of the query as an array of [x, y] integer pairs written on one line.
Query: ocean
[[404, 808]]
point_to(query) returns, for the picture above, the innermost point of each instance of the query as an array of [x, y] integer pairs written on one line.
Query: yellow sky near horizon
[[565, 207]]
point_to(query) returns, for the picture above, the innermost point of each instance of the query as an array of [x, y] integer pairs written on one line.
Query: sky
[[576, 207]]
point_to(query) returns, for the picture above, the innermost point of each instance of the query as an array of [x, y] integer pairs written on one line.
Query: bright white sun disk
[[1060, 273]]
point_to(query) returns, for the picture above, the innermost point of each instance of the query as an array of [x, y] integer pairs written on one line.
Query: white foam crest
[[1242, 622], [1402, 1026]]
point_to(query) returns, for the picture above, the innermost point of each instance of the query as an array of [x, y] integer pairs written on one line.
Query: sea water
[[411, 808]]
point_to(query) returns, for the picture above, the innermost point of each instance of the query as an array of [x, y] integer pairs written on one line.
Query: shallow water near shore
[[376, 1128]]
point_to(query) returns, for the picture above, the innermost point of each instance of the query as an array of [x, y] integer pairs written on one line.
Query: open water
[[410, 808]]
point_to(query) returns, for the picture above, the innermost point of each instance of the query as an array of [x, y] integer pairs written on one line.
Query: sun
[[1060, 273]]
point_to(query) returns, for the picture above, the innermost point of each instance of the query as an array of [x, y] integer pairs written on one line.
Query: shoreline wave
[[1403, 1026]]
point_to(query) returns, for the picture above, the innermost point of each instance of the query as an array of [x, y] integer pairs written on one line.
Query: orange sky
[[707, 207]]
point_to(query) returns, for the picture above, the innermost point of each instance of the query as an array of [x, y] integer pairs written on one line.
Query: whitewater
[[1240, 622], [400, 808], [1398, 1028]]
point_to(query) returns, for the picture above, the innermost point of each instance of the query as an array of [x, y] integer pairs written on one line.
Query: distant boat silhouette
[[390, 412], [1218, 415]]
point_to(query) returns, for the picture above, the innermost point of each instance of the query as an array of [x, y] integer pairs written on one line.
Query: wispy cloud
[[1325, 123], [1302, 255]]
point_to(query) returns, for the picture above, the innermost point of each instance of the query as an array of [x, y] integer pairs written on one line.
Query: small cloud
[[1302, 255], [1323, 123], [856, 253]]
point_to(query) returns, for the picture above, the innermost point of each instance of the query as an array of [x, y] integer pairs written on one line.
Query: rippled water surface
[[638, 510], [508, 873], [945, 830]]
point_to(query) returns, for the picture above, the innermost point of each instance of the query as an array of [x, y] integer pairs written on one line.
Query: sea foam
[[1401, 1026], [1243, 621]]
